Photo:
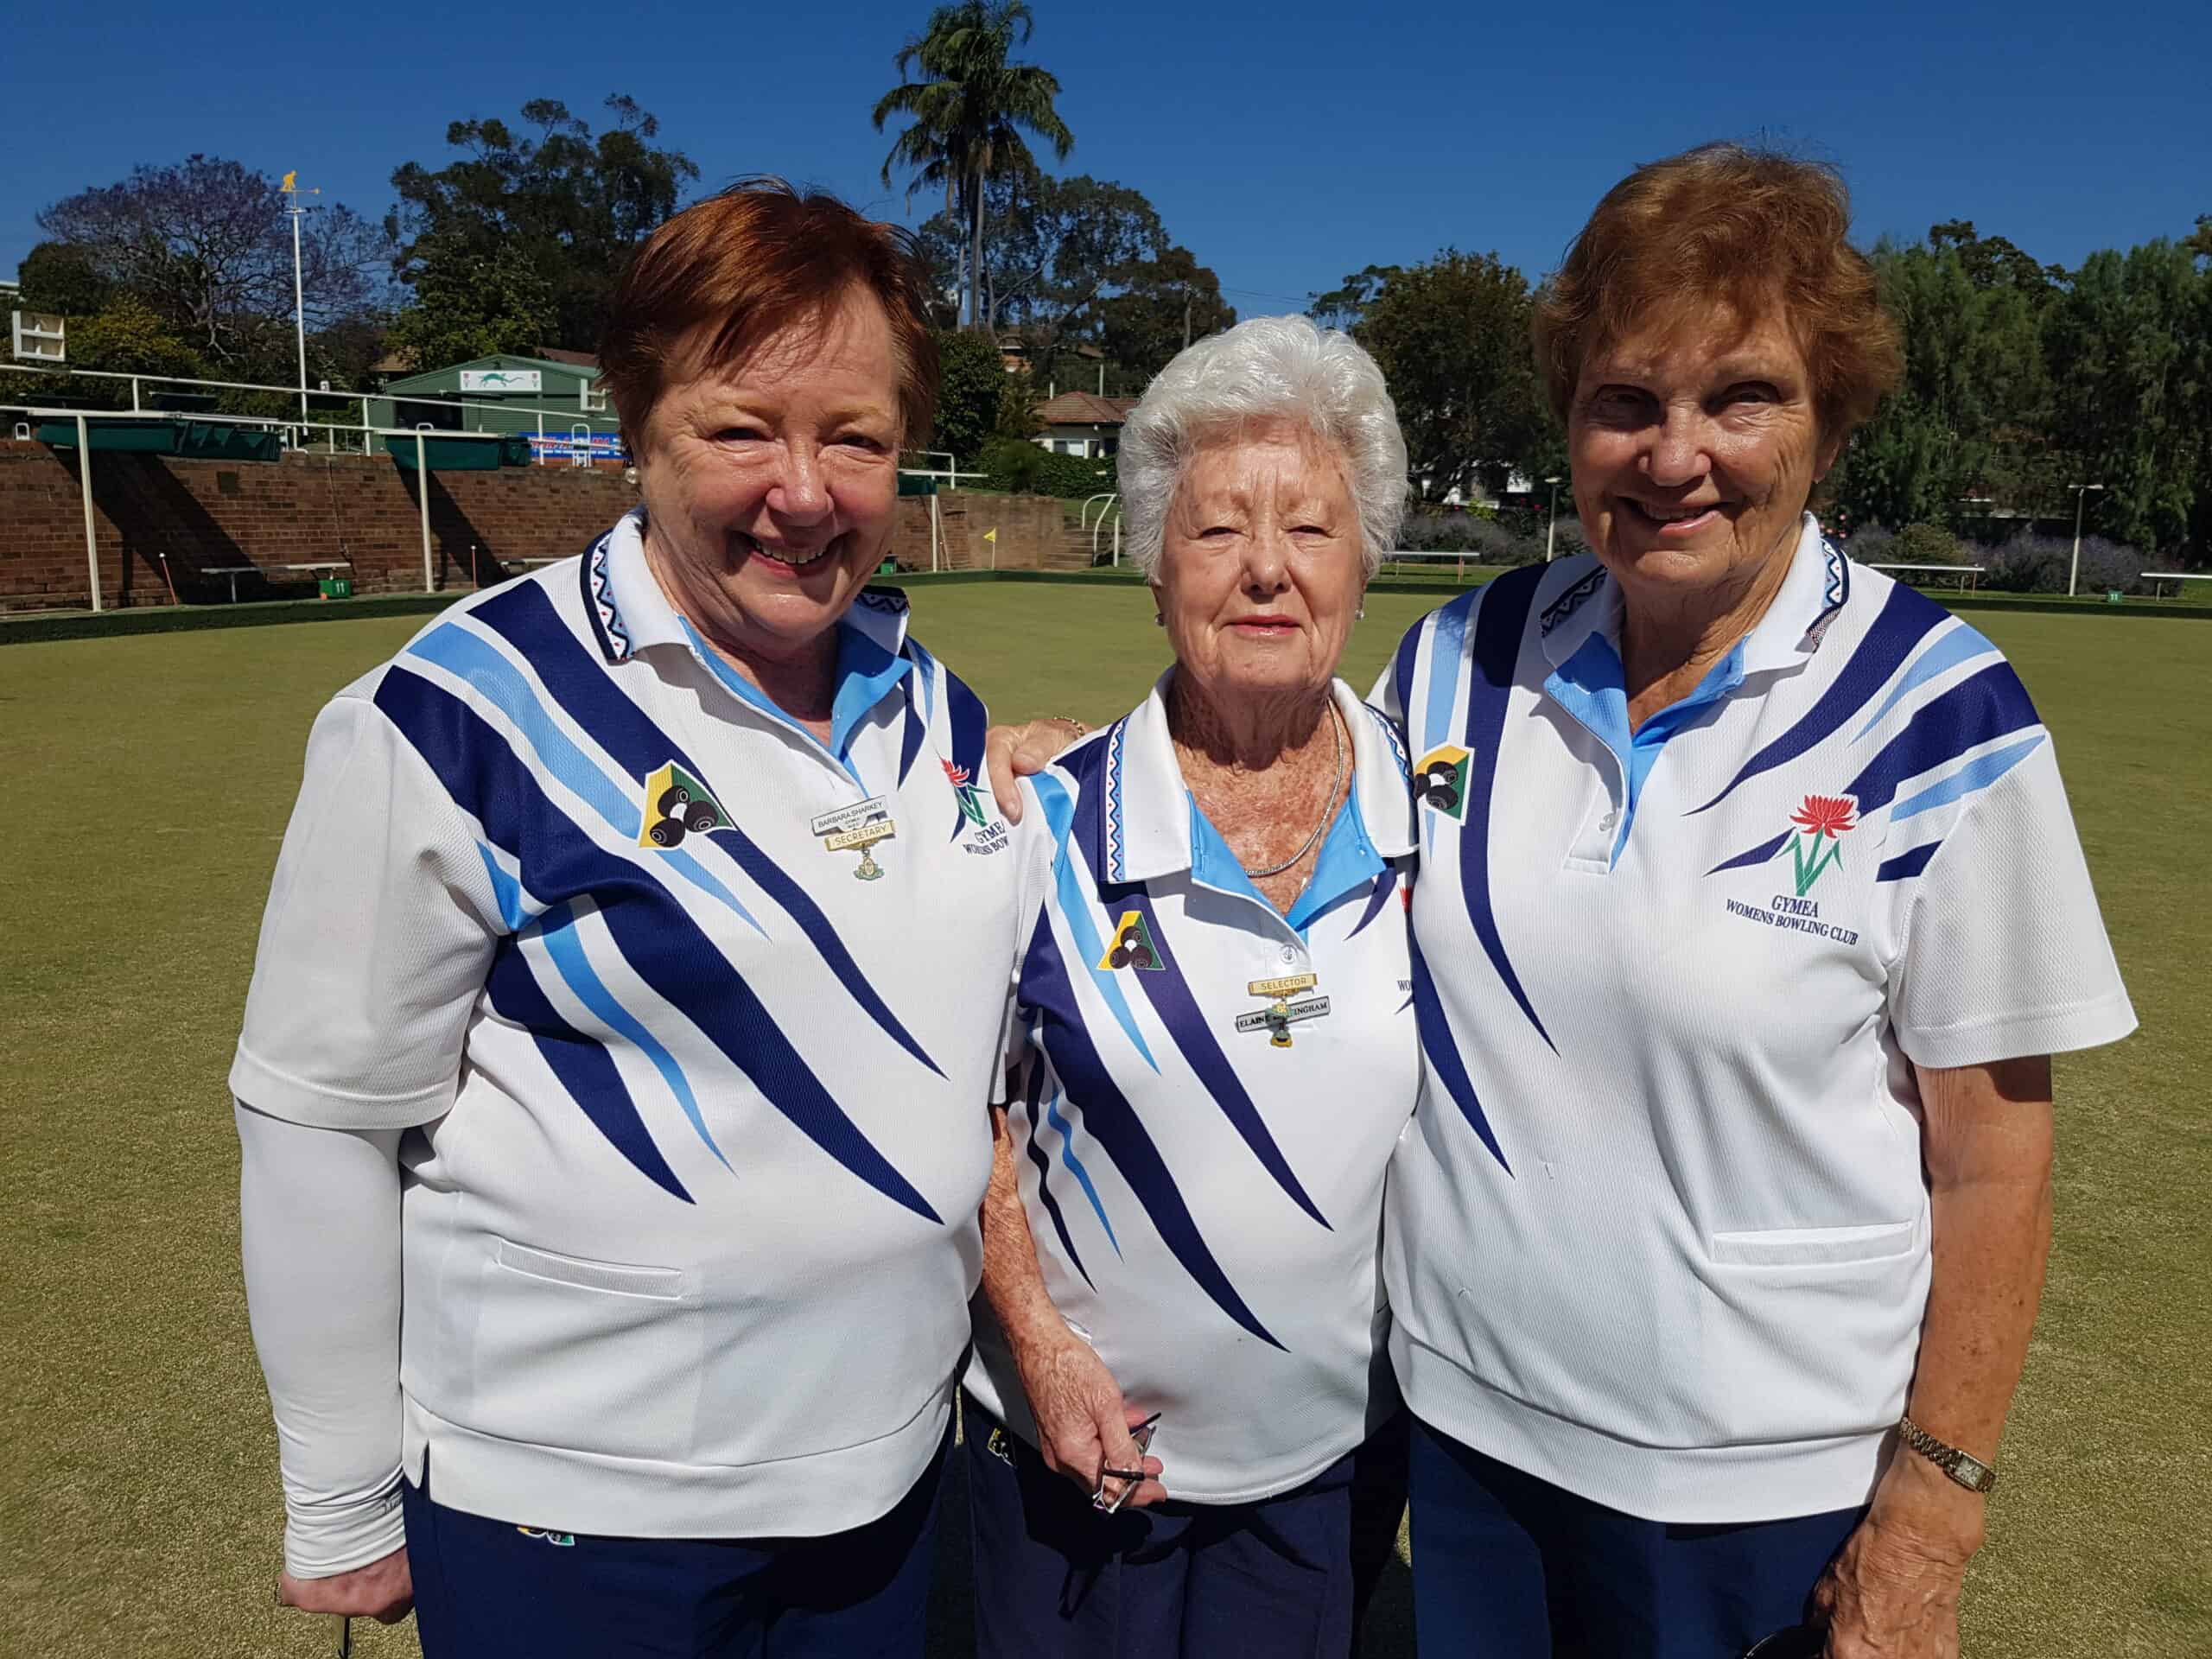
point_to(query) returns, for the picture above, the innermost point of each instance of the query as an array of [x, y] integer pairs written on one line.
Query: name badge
[[1277, 1020], [850, 818], [856, 827]]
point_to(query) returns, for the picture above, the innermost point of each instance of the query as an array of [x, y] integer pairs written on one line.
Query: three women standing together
[[644, 948]]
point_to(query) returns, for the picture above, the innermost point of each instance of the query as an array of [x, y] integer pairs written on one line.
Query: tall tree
[[1058, 247], [967, 110], [569, 206], [1162, 305], [205, 246], [1451, 339]]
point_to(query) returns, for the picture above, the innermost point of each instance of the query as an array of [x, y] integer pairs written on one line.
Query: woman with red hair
[[1749, 914], [629, 992]]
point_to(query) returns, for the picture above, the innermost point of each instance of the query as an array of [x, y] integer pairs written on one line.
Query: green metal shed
[[555, 403]]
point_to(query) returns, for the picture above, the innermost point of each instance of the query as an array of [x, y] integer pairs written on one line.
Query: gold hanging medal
[[857, 827], [1281, 1014]]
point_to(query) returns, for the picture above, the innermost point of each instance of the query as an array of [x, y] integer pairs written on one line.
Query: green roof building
[[552, 397]]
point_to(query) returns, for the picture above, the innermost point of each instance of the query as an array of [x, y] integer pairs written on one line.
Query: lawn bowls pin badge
[[1281, 1014], [677, 804], [857, 829]]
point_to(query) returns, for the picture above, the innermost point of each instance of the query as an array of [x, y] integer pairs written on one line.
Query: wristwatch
[[1964, 1467]]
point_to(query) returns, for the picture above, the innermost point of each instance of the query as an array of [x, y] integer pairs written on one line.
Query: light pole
[[1552, 528], [295, 213], [2073, 570]]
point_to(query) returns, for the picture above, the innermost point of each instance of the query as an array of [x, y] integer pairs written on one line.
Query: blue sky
[[1287, 144]]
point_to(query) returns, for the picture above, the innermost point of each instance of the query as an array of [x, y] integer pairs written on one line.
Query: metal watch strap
[[1964, 1467]]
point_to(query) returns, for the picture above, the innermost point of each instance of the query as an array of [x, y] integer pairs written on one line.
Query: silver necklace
[[1337, 731]]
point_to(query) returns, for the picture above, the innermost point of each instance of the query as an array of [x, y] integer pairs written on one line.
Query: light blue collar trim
[[866, 674], [1592, 686], [1348, 862]]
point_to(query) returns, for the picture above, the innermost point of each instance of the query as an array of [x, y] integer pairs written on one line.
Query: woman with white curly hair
[[1180, 1383]]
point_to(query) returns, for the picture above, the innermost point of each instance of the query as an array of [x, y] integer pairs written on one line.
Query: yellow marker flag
[[991, 535]]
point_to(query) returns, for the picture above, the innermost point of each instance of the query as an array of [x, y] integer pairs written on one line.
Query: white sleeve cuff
[[324, 1537]]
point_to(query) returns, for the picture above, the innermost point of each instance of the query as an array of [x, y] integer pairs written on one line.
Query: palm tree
[[969, 108]]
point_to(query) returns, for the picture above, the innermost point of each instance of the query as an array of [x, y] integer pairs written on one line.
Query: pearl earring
[[1158, 620], [1360, 615]]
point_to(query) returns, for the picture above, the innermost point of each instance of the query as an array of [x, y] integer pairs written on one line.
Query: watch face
[[1972, 1471]]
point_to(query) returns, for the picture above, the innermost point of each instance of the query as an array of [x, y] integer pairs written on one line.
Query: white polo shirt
[[1212, 1095], [1660, 1233], [690, 1229]]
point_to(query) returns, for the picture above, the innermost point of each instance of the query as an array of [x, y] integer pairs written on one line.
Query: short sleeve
[[380, 931], [2003, 952]]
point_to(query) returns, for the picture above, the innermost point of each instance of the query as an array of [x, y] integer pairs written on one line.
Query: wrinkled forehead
[[1275, 455], [1697, 337]]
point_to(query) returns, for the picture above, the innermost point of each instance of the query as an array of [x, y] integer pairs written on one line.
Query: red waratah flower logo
[[1826, 815], [958, 774], [1823, 819]]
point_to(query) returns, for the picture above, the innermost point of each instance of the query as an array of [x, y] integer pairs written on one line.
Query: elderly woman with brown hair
[[1749, 914], [630, 990]]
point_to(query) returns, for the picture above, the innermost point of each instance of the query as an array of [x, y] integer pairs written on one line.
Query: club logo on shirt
[[1132, 946], [558, 1540], [677, 804], [1441, 780], [1823, 821], [969, 795], [1815, 842]]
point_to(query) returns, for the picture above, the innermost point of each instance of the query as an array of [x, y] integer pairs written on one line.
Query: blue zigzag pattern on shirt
[[1499, 624], [1989, 705], [1071, 892], [1977, 710], [917, 726], [1907, 865], [1170, 995], [1906, 618], [1030, 1098], [523, 617], [669, 951], [1449, 1065], [1391, 735], [1386, 883], [1948, 649], [581, 1066], [1118, 1132], [1758, 855], [556, 930], [963, 713]]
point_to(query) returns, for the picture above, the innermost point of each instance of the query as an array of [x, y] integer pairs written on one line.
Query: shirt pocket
[[581, 1355], [1814, 1247]]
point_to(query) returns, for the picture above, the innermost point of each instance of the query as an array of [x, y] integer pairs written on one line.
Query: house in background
[[1083, 423], [551, 396]]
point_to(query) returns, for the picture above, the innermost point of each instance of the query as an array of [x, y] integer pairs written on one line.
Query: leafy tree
[[473, 305], [204, 243], [1057, 247], [1452, 338], [1164, 304], [539, 228], [968, 113], [968, 398], [59, 279], [1967, 428], [127, 337]]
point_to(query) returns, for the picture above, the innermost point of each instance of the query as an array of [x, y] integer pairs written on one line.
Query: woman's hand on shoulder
[[384, 1591], [1083, 1423], [1013, 752]]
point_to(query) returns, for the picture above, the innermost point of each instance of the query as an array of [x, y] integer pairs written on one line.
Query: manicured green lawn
[[147, 781]]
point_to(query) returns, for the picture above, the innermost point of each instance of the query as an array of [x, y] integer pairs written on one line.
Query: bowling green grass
[[147, 781]]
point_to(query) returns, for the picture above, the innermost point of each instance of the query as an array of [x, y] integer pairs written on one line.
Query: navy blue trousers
[[1509, 1567], [1286, 1576], [488, 1589]]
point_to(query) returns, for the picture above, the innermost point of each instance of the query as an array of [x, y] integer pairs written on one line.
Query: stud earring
[[1158, 620], [1360, 615]]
